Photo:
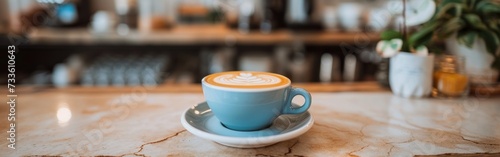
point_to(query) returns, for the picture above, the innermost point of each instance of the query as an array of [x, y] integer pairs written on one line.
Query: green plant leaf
[[475, 21], [496, 63], [424, 40], [451, 8], [491, 40], [423, 36], [490, 9], [445, 2], [451, 26], [493, 25], [390, 34], [467, 38], [487, 7], [472, 3], [497, 34]]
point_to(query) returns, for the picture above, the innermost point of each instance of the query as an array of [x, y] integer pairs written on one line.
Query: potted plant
[[411, 65], [471, 28]]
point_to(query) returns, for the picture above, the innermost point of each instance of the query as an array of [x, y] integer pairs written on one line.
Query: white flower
[[389, 48]]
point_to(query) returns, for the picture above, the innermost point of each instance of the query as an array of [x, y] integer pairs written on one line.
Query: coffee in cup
[[247, 100]]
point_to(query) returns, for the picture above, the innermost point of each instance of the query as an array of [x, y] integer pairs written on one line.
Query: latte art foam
[[238, 79], [247, 79]]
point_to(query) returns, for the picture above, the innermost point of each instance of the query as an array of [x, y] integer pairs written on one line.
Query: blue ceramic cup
[[246, 101]]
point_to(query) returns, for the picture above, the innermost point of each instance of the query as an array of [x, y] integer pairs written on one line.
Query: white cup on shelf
[[350, 16]]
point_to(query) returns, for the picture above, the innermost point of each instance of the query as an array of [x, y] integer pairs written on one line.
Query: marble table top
[[138, 123]]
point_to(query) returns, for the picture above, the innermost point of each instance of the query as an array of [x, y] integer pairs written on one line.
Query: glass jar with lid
[[450, 79]]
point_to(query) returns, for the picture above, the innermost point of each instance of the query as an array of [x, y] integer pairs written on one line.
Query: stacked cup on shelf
[[125, 70]]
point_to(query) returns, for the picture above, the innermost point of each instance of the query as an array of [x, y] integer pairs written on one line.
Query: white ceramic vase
[[477, 60], [410, 75]]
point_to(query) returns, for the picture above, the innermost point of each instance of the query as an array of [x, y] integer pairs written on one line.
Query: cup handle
[[289, 109]]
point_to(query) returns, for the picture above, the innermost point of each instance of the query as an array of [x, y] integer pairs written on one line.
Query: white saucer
[[200, 121]]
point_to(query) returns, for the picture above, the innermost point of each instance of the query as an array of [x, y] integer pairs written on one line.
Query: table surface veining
[[139, 123]]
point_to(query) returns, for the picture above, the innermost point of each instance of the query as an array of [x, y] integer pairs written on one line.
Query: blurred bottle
[[330, 68], [246, 14], [299, 10], [352, 67], [382, 74], [300, 15], [301, 63], [273, 16], [330, 18], [126, 11], [155, 14]]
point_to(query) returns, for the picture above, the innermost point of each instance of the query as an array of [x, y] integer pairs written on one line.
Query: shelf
[[195, 34]]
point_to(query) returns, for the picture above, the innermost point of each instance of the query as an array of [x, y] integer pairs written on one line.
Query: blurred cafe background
[[154, 42]]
